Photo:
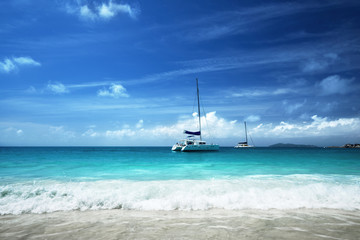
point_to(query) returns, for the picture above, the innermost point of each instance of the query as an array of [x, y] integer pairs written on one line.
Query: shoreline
[[209, 224]]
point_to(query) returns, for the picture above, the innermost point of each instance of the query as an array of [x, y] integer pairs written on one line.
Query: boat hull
[[247, 146], [205, 147], [176, 148]]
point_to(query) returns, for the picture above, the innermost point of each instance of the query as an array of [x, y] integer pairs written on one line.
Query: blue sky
[[120, 73]]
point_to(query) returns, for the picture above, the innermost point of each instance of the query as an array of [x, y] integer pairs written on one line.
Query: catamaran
[[244, 144], [191, 144]]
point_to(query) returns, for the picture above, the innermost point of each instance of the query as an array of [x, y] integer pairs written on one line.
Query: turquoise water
[[155, 178], [153, 163]]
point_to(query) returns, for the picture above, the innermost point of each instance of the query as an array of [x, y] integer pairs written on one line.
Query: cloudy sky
[[122, 73]]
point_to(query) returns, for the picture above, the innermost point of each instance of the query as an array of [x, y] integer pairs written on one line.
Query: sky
[[122, 73]]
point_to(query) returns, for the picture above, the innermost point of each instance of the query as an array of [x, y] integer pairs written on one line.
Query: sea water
[[49, 179]]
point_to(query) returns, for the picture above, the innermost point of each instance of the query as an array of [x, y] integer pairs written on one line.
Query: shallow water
[[40, 180], [156, 163], [153, 193], [212, 224]]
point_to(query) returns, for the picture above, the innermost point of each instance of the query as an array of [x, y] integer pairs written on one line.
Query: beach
[[154, 193], [212, 224]]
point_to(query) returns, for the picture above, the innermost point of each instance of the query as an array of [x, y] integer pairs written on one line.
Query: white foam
[[255, 192]]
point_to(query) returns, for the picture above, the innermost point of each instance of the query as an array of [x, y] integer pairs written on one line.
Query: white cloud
[[57, 88], [323, 123], [313, 65], [87, 13], [22, 134], [317, 127], [320, 63], [212, 126], [290, 108], [217, 129], [12, 130], [112, 9], [104, 11], [115, 91], [9, 65], [26, 61], [120, 133], [90, 133], [335, 85], [60, 131], [252, 118], [262, 93], [140, 124], [19, 132]]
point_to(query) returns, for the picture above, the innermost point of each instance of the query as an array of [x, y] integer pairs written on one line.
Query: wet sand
[[211, 224]]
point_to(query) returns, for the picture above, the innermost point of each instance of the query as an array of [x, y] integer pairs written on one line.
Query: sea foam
[[251, 192]]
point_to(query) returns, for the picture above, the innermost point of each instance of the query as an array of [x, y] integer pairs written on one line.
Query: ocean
[[152, 180], [40, 180]]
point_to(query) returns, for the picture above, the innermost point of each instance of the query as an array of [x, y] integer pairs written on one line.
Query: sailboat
[[191, 144], [244, 144]]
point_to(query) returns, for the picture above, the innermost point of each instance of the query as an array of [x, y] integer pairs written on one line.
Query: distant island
[[290, 145]]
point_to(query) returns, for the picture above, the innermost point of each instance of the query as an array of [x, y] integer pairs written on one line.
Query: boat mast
[[246, 133], [198, 98]]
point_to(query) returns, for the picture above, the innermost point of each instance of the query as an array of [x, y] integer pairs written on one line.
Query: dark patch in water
[[5, 193]]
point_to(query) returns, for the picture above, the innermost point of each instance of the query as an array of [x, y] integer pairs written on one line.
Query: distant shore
[[211, 224], [290, 145], [348, 145]]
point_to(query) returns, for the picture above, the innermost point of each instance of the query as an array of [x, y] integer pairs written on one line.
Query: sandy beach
[[212, 224], [153, 193]]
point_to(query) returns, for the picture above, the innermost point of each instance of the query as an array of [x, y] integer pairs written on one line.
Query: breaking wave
[[251, 192]]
